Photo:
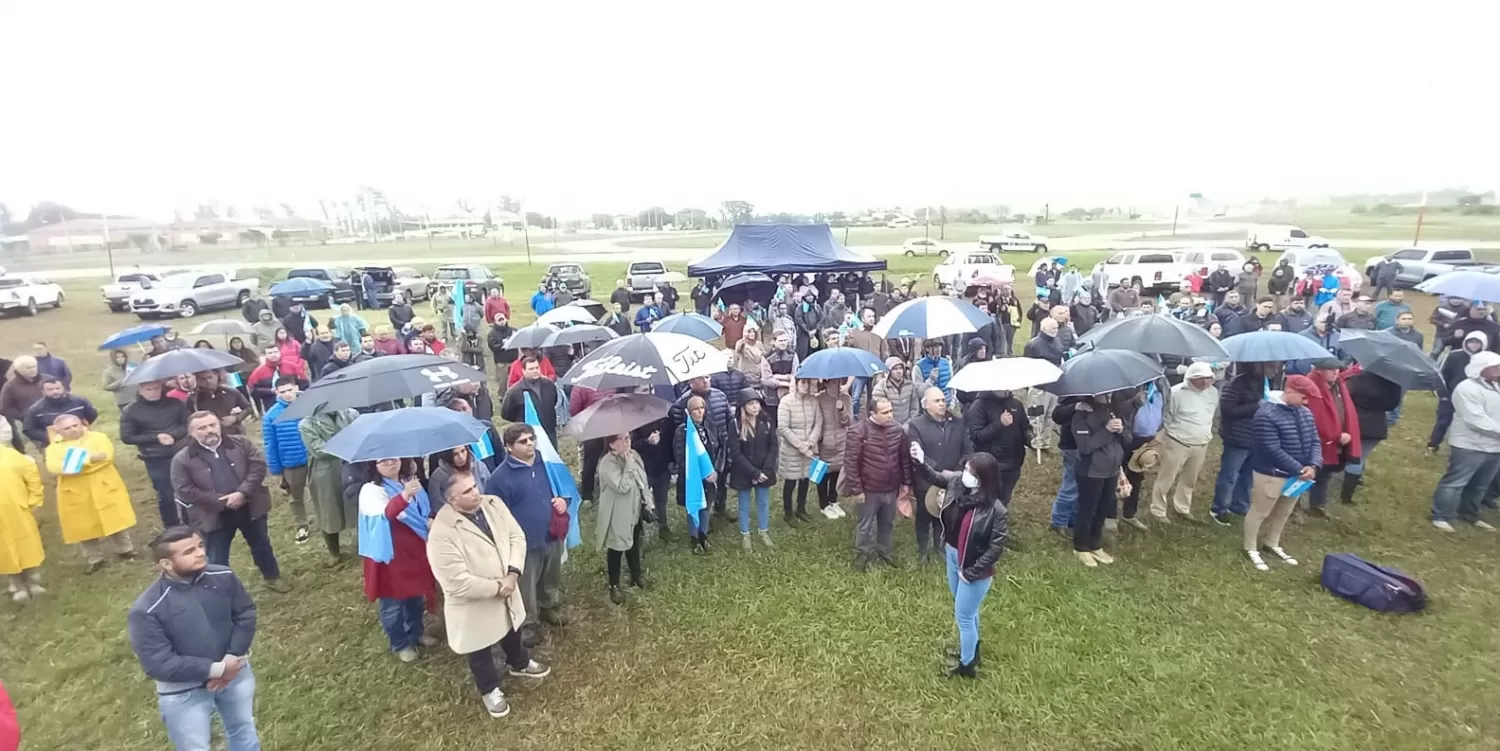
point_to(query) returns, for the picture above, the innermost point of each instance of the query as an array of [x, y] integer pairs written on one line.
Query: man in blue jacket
[[48, 364], [1238, 404], [1286, 448], [286, 454], [648, 314], [521, 482], [191, 630]]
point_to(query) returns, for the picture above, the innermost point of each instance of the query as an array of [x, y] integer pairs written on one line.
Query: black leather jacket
[[982, 541]]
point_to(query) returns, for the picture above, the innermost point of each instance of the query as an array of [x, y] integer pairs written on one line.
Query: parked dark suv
[[343, 290]]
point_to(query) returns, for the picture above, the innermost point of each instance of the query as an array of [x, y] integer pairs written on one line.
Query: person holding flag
[[694, 449], [523, 482], [393, 513], [92, 500]]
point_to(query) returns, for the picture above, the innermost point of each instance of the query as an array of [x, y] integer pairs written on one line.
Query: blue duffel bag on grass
[[1371, 585]]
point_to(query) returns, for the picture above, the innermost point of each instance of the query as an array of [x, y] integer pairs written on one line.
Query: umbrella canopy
[[671, 277], [652, 359], [1272, 346], [616, 414], [1470, 285], [841, 362], [749, 285], [1392, 358], [180, 362], [1005, 374], [690, 324], [378, 381], [300, 286], [223, 327], [931, 317], [1155, 335], [406, 432], [594, 307], [530, 337], [133, 335], [585, 333], [1103, 371], [563, 315]]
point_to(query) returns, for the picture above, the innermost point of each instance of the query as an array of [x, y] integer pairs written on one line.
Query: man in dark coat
[[1238, 403], [996, 423], [1219, 283], [500, 331], [543, 396], [621, 297], [945, 444], [298, 322]]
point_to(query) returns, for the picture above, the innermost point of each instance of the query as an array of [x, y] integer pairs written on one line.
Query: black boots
[[965, 671], [1351, 484]]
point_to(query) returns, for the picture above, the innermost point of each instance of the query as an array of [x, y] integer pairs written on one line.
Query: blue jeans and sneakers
[[1066, 501], [967, 597], [1458, 493], [402, 621], [762, 516], [189, 715], [1232, 487]]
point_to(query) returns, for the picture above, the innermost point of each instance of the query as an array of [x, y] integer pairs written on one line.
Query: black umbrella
[[378, 381], [616, 414], [1103, 371], [531, 337], [1155, 335], [1392, 358], [583, 333], [180, 362], [748, 285]]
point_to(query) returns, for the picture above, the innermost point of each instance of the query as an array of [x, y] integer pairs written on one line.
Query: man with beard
[[1295, 319], [55, 401], [221, 481], [298, 322], [543, 397], [211, 395], [1258, 319]]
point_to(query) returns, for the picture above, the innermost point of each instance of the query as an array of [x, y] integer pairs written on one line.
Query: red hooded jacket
[[1327, 419]]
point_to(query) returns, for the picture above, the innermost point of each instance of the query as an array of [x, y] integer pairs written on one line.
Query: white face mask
[[969, 480]]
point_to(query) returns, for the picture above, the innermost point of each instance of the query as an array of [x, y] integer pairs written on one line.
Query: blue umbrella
[[841, 362], [406, 432], [300, 286], [1273, 346], [930, 318], [133, 335], [692, 324], [1470, 285]]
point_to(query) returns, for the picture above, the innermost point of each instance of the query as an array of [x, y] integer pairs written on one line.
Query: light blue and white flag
[[235, 381], [483, 448], [73, 460], [699, 467], [558, 474], [458, 305]]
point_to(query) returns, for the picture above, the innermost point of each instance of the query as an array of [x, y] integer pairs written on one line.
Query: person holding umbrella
[[393, 514], [1102, 437], [334, 512], [752, 464], [624, 506]]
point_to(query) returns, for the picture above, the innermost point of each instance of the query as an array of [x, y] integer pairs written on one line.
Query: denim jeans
[[159, 469], [1232, 488], [1458, 491], [762, 508], [402, 621], [967, 597], [189, 715], [860, 388], [1066, 501], [699, 525], [216, 543], [1356, 467]]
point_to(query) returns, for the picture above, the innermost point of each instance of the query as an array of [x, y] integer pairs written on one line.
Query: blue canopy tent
[[783, 249]]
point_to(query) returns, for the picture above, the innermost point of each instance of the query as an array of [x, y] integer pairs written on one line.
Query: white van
[[1281, 237]]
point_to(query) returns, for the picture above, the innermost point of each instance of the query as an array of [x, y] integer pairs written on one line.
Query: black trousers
[[929, 527], [1096, 495], [828, 489], [660, 483], [631, 556], [482, 662], [787, 487], [1132, 501], [1008, 480], [593, 451]]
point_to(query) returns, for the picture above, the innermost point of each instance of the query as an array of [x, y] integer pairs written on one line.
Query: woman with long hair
[[799, 426], [249, 361], [203, 344], [393, 514], [454, 460], [837, 410], [752, 464], [624, 506], [975, 527]]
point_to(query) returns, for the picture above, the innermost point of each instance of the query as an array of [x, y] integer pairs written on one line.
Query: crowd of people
[[481, 538]]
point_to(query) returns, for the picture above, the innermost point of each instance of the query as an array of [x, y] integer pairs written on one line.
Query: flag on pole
[[458, 305], [699, 467], [563, 485]]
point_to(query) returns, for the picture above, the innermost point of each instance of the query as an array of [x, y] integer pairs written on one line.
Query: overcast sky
[[143, 107]]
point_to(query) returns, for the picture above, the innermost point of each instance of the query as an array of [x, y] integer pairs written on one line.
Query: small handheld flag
[[483, 448], [73, 460], [235, 381], [558, 474], [458, 305], [1295, 487]]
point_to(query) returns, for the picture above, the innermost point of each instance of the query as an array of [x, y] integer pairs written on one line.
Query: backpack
[[1373, 586]]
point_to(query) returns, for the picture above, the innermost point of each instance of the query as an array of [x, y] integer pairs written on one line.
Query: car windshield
[[134, 278], [566, 269], [306, 274], [12, 283], [452, 274], [647, 268]]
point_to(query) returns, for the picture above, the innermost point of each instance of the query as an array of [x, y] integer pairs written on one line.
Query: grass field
[[1179, 645]]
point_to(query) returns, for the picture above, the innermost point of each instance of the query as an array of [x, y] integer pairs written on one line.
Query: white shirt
[[1189, 415]]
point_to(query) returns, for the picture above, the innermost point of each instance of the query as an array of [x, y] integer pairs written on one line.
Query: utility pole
[[1421, 210], [526, 233], [1175, 209], [109, 252]]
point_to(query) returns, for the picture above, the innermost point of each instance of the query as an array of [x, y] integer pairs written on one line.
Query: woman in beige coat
[[624, 497], [799, 426], [836, 407], [477, 552]]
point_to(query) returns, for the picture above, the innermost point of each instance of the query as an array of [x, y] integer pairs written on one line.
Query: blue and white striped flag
[[235, 381], [458, 305], [563, 485], [699, 467], [73, 460], [483, 448]]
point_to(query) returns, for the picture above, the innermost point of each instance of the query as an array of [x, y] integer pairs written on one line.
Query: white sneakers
[[1102, 557], [1285, 558], [1481, 524], [1260, 562], [834, 511], [1086, 558], [1444, 526], [1448, 526], [407, 655], [765, 539], [495, 704]]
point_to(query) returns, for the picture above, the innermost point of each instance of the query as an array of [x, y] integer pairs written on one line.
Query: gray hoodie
[[263, 332]]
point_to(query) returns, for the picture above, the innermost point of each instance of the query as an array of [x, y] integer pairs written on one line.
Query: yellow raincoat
[[20, 492], [94, 503]]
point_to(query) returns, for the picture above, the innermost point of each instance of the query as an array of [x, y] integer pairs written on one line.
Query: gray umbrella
[[618, 413], [583, 333], [1155, 335], [1392, 358], [180, 362], [531, 337], [1103, 371]]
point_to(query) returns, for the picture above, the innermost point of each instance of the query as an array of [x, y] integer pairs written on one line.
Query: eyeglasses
[[524, 441]]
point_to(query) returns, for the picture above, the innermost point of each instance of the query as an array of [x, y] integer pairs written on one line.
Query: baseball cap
[[1199, 370], [1303, 385]]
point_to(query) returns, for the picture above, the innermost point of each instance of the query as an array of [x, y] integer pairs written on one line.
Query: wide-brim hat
[[1146, 458], [933, 501]]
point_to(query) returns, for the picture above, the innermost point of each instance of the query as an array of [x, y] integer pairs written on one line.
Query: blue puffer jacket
[[944, 373], [283, 444], [1286, 440], [719, 415], [1237, 407]]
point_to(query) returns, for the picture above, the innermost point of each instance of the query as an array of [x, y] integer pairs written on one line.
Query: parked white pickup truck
[[1156, 270], [1014, 239], [25, 293], [189, 293], [966, 266], [117, 294]]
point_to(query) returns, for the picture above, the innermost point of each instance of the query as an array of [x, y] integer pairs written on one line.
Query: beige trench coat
[[798, 418], [469, 567], [623, 490], [835, 427]]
